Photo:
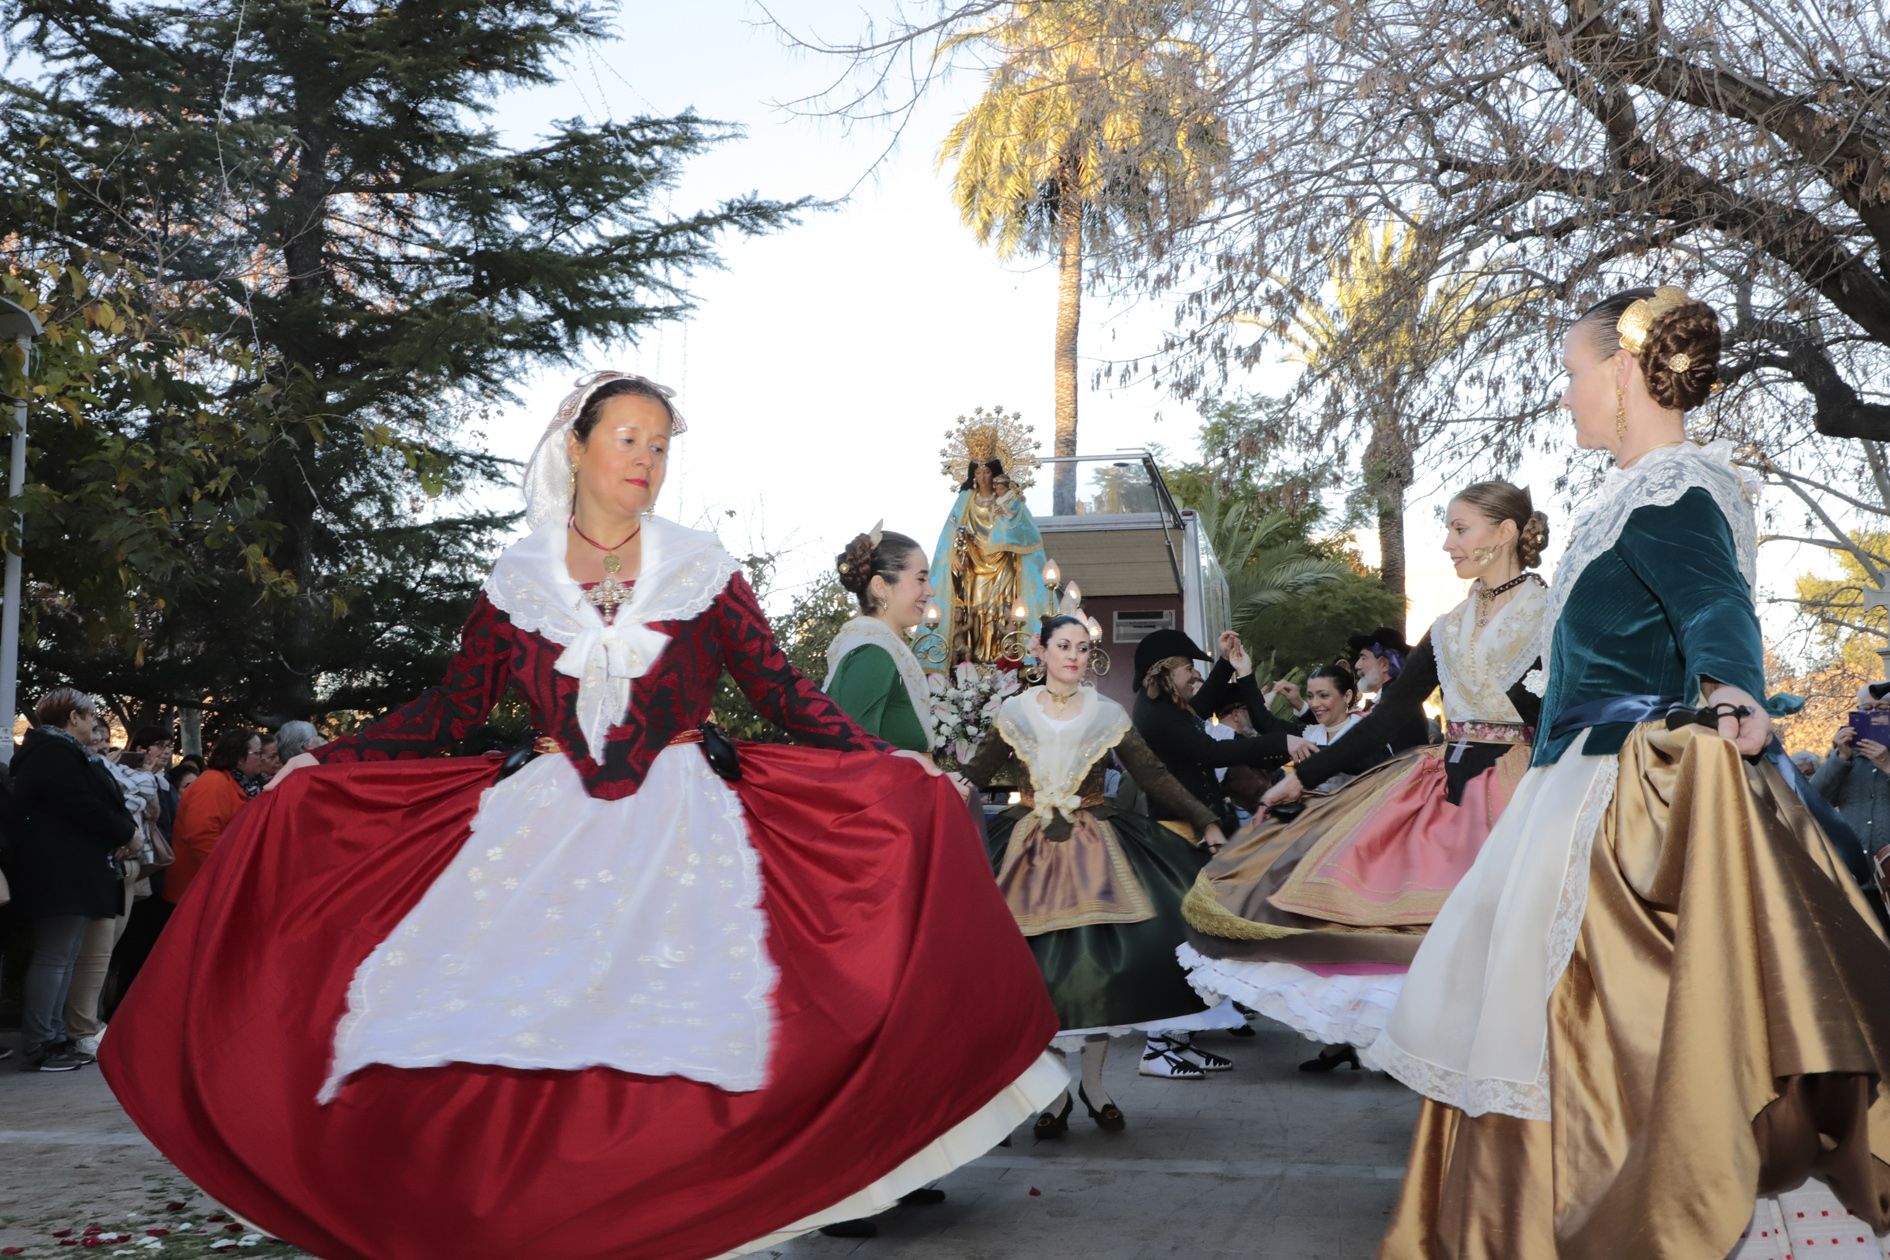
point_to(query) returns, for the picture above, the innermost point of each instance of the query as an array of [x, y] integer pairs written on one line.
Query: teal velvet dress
[[1657, 1000]]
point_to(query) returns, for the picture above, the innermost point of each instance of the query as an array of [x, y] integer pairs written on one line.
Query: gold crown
[[1638, 319], [988, 434]]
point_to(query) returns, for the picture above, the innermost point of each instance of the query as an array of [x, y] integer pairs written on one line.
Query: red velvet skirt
[[906, 1002]]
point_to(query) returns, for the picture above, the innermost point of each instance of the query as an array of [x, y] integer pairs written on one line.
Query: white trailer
[[1142, 562]]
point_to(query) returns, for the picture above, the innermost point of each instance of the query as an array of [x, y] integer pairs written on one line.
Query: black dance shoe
[[1109, 1119], [851, 1229], [1053, 1123], [1330, 1059], [928, 1196]]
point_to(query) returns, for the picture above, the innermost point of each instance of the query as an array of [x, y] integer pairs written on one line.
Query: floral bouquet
[[963, 702]]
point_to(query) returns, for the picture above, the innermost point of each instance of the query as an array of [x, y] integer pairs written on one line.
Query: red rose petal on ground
[[11, 1251], [157, 1233], [173, 1207], [1035, 1193], [92, 1241], [234, 1229]]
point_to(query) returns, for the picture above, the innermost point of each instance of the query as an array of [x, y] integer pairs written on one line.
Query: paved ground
[[1258, 1162]]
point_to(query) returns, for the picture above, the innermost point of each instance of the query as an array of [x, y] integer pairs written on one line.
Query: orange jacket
[[204, 810]]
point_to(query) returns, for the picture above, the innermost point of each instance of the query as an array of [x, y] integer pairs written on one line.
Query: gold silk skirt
[[1722, 1032]]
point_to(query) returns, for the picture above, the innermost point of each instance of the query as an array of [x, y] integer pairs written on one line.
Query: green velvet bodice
[[868, 687], [1662, 610]]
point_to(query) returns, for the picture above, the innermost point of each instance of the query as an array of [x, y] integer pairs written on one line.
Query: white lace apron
[[572, 932]]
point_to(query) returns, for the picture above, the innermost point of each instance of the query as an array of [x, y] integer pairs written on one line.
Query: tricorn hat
[[1161, 645], [1378, 642]]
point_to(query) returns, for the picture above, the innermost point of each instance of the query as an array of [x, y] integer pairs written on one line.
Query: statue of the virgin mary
[[989, 557]]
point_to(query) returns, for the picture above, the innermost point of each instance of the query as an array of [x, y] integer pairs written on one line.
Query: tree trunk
[[1389, 471], [1069, 314]]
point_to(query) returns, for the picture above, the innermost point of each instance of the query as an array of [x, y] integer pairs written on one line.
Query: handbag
[[721, 754]]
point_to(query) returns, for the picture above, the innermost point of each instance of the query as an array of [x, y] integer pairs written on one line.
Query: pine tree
[[320, 183]]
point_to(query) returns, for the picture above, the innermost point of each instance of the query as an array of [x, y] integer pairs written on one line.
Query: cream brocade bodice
[[1476, 669]]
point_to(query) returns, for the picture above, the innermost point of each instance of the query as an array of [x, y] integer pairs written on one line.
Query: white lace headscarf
[[548, 473]]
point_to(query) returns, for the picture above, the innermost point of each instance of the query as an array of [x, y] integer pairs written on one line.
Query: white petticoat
[[1331, 1010], [572, 932], [1216, 1017]]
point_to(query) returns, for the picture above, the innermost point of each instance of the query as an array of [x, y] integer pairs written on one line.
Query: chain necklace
[[1486, 595], [609, 594]]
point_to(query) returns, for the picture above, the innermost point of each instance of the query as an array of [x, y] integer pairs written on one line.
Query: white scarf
[[683, 572], [1059, 754], [864, 631]]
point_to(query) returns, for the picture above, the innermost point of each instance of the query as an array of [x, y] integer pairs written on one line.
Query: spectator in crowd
[[182, 775], [151, 748], [1807, 763], [294, 739], [268, 761], [134, 771], [208, 805], [1855, 778], [73, 827]]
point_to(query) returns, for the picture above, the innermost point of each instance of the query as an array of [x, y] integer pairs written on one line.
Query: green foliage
[[1081, 105], [1295, 598], [803, 634], [328, 271]]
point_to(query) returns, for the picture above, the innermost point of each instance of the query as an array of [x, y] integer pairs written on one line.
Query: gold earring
[[1483, 555], [1620, 415], [574, 483]]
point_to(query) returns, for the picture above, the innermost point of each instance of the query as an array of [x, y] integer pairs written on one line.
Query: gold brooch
[[1680, 362]]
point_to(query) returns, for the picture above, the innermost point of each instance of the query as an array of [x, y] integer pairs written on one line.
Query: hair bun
[[855, 564], [1532, 540], [1680, 358]]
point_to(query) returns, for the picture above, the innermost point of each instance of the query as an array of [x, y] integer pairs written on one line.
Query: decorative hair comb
[[1638, 320]]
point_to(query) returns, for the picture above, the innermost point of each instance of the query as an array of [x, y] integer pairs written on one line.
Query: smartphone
[[1873, 725]]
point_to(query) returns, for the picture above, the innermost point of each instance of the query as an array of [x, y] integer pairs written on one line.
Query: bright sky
[[826, 362]]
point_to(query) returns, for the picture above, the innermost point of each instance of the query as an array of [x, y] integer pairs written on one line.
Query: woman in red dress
[[611, 1005]]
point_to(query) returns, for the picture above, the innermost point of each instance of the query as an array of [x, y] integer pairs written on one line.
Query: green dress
[[1096, 890], [867, 685]]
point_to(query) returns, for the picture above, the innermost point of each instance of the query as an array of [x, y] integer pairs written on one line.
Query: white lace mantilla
[[865, 631], [683, 571], [1059, 754], [572, 932], [1476, 668], [1658, 479]]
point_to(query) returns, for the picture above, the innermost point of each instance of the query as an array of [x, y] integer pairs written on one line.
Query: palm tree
[[1090, 129], [1388, 323], [1263, 555]]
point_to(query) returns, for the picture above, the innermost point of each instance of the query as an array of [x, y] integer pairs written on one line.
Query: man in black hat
[[1378, 658], [1172, 704]]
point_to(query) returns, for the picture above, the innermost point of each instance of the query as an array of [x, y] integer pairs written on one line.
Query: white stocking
[[1095, 1052]]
